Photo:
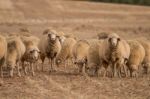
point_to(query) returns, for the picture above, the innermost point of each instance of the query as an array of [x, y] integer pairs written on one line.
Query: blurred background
[[137, 2], [84, 18]]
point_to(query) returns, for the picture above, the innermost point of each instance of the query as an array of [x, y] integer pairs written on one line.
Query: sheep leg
[[65, 65], [1, 66], [51, 66], [105, 73], [114, 70], [125, 70], [105, 69], [11, 72], [54, 69], [83, 70], [25, 70], [32, 69], [119, 72], [80, 68], [43, 59], [18, 70], [1, 70], [131, 73], [36, 66]]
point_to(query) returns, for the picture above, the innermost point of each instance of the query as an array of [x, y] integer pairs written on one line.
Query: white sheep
[[49, 46], [15, 51], [32, 52], [66, 51], [3, 53], [114, 52], [80, 51], [136, 57]]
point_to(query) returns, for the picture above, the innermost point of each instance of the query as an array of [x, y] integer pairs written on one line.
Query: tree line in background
[[139, 2]]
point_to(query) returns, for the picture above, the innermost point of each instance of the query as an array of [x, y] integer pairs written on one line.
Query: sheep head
[[91, 69], [61, 39], [113, 40], [33, 54]]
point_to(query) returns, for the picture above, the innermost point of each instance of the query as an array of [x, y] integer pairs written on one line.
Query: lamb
[[136, 57], [3, 53], [49, 46], [66, 51], [146, 61], [80, 51], [114, 52], [15, 51], [93, 59], [32, 52]]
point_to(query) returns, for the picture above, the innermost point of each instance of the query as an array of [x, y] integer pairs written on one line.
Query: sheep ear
[[46, 32], [118, 39], [109, 39]]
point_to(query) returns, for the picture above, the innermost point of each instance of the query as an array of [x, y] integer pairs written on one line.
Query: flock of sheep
[[110, 55]]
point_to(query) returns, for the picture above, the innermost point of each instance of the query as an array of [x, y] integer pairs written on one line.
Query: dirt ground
[[84, 19]]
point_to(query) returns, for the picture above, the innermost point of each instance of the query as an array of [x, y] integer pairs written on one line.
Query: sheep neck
[[113, 52]]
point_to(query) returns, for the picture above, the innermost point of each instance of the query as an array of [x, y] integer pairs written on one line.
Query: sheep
[[49, 46], [15, 51], [102, 35], [66, 51], [146, 61], [32, 52], [136, 57], [24, 30], [70, 35], [80, 51], [61, 36], [3, 53], [114, 52], [93, 59]]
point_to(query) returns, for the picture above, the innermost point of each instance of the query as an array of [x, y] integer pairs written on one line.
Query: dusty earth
[[84, 19]]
